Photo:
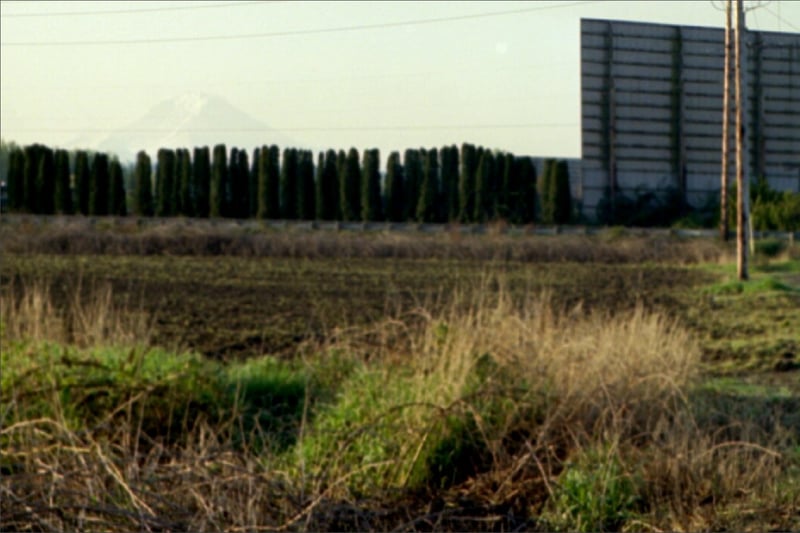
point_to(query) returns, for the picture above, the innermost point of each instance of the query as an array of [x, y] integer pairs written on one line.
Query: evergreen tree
[[394, 188], [201, 181], [429, 188], [482, 193], [239, 171], [449, 199], [82, 182], [288, 189], [143, 205], [45, 181], [350, 194], [306, 208], [546, 188], [99, 186], [526, 187], [185, 203], [219, 179], [165, 182], [63, 192], [328, 187], [466, 182], [16, 179], [30, 178], [371, 208], [412, 178], [229, 207], [252, 186], [116, 196], [269, 183], [561, 196]]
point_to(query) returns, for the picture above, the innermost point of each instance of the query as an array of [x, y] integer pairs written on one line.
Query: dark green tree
[[526, 187], [252, 186], [412, 180], [63, 193], [466, 182], [561, 195], [99, 185], [269, 183], [143, 205], [16, 179], [201, 180], [429, 188], [483, 194], [165, 183], [394, 188], [350, 194], [116, 196], [371, 208], [546, 189], [46, 181], [306, 203], [239, 171], [288, 189], [327, 187], [33, 155], [185, 181], [82, 182], [449, 200], [219, 179]]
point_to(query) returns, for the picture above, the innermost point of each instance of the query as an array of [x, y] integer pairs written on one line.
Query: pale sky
[[391, 75]]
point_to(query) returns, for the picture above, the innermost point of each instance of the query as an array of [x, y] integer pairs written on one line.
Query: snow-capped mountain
[[186, 121]]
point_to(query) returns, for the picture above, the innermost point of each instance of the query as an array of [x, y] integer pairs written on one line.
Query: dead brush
[[88, 316]]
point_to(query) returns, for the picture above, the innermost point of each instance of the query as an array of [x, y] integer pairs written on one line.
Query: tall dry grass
[[523, 408]]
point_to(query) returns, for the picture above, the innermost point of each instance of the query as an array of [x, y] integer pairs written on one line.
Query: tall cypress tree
[[306, 204], [116, 196], [450, 183], [328, 187], [219, 180], [185, 203], [429, 188], [252, 186], [319, 189], [165, 182], [30, 178], [412, 177], [466, 182], [546, 189], [63, 193], [371, 208], [561, 196], [239, 171], [45, 181], [82, 182], [269, 183], [394, 188], [288, 188], [201, 180], [482, 194], [143, 205], [350, 193], [526, 186], [99, 186], [16, 179]]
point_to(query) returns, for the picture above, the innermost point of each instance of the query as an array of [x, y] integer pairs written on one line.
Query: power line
[[129, 11], [340, 29]]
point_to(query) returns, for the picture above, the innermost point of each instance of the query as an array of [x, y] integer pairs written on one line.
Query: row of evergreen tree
[[470, 184]]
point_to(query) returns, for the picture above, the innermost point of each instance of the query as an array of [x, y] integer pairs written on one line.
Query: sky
[[389, 75]]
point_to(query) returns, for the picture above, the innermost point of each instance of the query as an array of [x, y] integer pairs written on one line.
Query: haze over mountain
[[189, 120]]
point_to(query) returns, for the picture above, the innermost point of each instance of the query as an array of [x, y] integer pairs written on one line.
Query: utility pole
[[742, 188], [726, 111]]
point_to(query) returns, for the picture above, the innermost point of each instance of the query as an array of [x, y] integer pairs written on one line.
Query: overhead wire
[[135, 10], [289, 33]]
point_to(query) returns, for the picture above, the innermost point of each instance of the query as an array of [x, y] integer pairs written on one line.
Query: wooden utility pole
[[742, 189], [726, 112]]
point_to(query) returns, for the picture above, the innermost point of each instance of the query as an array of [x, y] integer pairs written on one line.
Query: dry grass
[[529, 412]]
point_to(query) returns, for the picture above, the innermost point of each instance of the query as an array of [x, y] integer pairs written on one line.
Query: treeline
[[470, 184]]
